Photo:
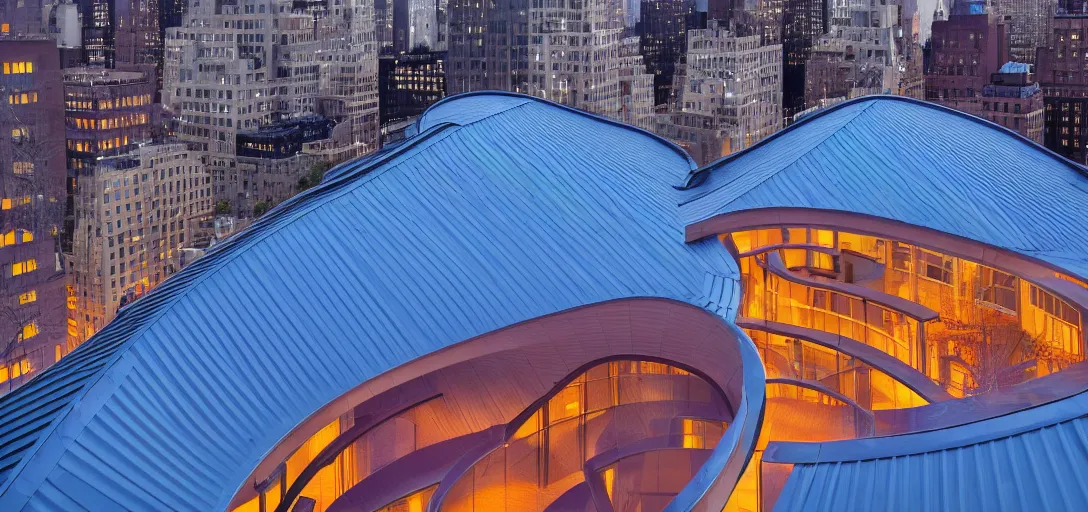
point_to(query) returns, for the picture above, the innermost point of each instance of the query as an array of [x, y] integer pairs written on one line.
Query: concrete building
[[731, 96], [1028, 25], [108, 113], [1062, 77], [567, 53], [967, 48], [32, 181], [1013, 99], [138, 211], [237, 69]]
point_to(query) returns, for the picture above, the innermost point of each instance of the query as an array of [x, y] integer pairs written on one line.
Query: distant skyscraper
[[1029, 23], [98, 31], [731, 94], [242, 72], [1064, 95], [571, 55], [107, 113], [803, 22], [32, 178], [663, 27]]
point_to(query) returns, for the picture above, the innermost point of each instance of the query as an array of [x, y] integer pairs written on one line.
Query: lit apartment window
[[28, 297], [30, 330], [14, 371], [5, 28], [18, 68], [22, 98], [23, 267]]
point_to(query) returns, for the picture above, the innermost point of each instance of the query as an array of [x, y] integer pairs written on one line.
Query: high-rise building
[[664, 26], [966, 49], [139, 210], [803, 23], [108, 113], [731, 96], [239, 71], [570, 53], [1065, 94], [32, 298], [1028, 25], [410, 83]]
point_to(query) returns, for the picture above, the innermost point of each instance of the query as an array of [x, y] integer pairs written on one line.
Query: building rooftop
[[913, 162]]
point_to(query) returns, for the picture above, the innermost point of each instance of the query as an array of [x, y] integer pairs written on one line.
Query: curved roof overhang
[[1039, 271], [655, 328]]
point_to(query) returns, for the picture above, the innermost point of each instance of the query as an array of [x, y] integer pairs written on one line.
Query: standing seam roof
[[491, 216]]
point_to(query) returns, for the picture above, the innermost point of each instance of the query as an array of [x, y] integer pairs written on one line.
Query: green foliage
[[222, 207], [313, 178], [260, 208]]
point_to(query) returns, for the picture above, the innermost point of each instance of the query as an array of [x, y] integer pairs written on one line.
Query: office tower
[[664, 28], [1065, 95], [731, 96], [32, 177], [569, 53], [1029, 25], [803, 23], [410, 83], [243, 72], [108, 113], [967, 49]]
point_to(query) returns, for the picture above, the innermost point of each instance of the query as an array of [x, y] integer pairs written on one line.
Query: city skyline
[[543, 255]]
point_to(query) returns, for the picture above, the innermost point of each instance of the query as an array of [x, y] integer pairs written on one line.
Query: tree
[[989, 342], [222, 207], [260, 208], [314, 176]]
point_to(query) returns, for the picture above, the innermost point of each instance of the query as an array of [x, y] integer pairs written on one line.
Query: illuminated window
[[694, 433], [23, 267], [5, 28], [5, 204], [3, 373], [23, 167], [30, 330], [56, 353], [28, 297]]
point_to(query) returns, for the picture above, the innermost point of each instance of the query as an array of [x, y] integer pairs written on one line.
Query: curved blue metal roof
[[497, 212], [913, 162]]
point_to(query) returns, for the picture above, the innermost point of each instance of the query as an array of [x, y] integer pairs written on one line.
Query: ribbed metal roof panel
[[505, 215], [1041, 469], [917, 163]]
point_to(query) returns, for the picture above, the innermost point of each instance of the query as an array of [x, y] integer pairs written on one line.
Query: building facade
[[803, 23], [663, 27], [967, 48], [32, 182], [1065, 89], [568, 53], [235, 69], [409, 83], [138, 211], [1013, 99], [731, 95]]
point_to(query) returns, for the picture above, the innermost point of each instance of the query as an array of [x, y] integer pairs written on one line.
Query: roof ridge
[[782, 168], [693, 166]]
